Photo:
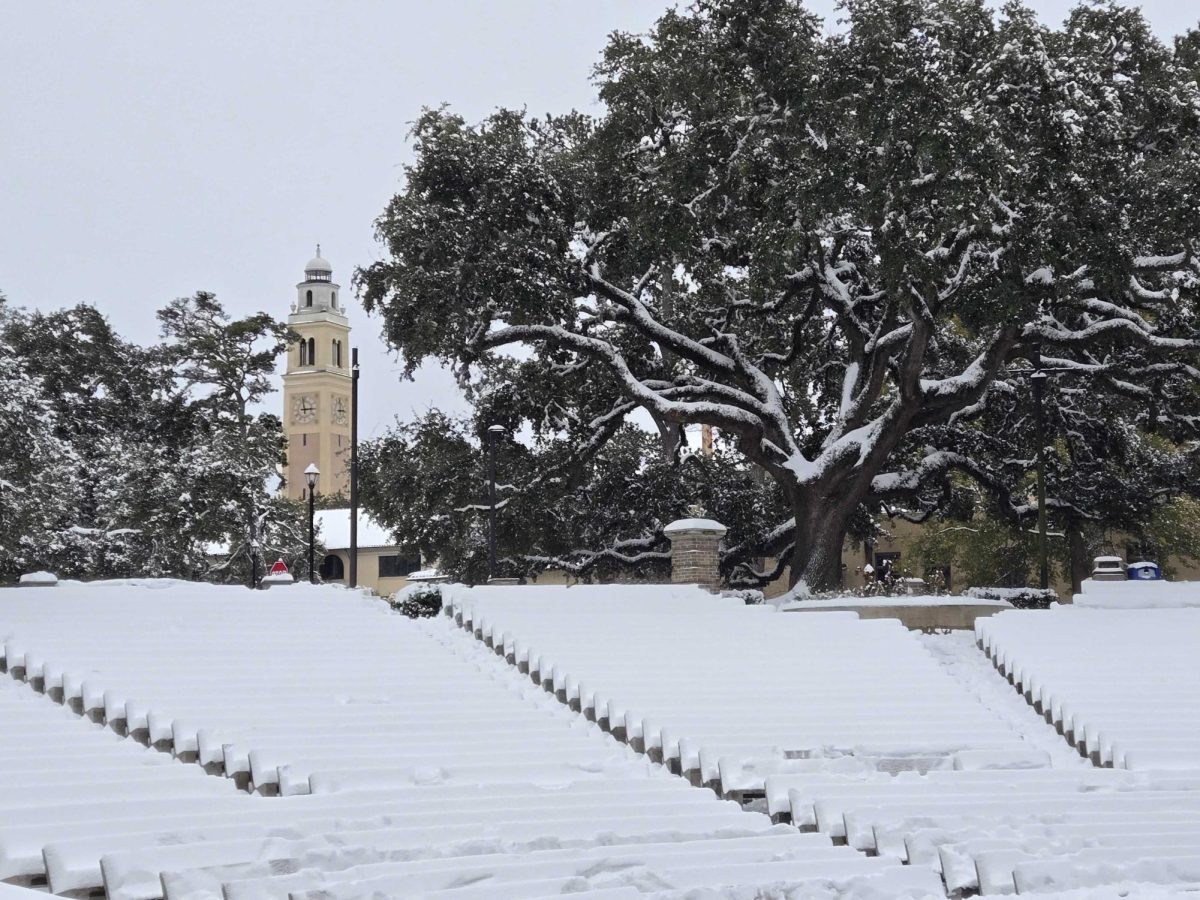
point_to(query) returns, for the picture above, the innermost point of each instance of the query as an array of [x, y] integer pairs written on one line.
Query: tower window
[[312, 351], [304, 353], [335, 299], [308, 298], [304, 440], [337, 354]]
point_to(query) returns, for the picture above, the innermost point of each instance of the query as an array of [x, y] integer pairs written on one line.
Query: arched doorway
[[332, 568]]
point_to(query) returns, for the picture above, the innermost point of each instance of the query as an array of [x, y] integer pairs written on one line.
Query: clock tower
[[316, 386]]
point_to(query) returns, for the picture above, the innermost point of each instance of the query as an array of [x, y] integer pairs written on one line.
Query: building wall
[[368, 569]]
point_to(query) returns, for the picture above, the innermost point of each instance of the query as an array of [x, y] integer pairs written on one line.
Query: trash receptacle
[[1144, 571], [1108, 568]]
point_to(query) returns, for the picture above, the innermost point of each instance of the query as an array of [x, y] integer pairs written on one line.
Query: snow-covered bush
[[418, 601], [1021, 598], [748, 596]]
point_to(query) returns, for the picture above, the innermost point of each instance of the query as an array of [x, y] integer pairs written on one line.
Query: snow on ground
[[412, 761], [961, 658], [1138, 594], [425, 759], [1131, 699], [728, 694], [1030, 817]]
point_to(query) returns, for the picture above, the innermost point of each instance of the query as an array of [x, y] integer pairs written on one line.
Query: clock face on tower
[[341, 411], [304, 408]]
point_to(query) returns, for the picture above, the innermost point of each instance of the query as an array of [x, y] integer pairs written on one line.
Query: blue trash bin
[[1143, 571]]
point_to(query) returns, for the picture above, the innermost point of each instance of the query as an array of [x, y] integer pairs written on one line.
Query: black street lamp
[[494, 433], [354, 468], [1038, 376], [1039, 417], [311, 475]]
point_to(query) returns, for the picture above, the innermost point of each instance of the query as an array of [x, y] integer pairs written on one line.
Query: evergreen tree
[[226, 364]]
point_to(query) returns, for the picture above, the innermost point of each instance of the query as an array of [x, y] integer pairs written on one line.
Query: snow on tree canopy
[[837, 249]]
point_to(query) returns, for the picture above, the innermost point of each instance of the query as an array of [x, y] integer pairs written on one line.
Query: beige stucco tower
[[316, 386]]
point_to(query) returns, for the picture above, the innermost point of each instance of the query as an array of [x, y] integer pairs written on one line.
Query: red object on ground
[[280, 568]]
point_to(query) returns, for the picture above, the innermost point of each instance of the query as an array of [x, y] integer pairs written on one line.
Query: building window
[[398, 565], [335, 299], [312, 351], [308, 299]]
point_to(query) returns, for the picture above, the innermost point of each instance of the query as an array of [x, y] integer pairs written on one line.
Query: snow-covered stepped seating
[[977, 828], [49, 758], [410, 758], [1123, 686], [1138, 594], [698, 681], [280, 687]]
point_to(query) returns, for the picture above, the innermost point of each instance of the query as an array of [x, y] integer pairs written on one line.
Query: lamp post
[[311, 475], [494, 433], [354, 468], [1039, 416], [1038, 377]]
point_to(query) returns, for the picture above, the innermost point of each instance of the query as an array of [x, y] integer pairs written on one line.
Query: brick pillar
[[694, 544]]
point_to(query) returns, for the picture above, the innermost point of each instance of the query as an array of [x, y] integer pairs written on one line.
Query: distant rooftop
[[333, 526]]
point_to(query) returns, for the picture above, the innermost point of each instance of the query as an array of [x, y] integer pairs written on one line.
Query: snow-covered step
[[1133, 700], [861, 821], [988, 866], [312, 871], [797, 795], [738, 878], [880, 693], [135, 873], [1165, 865]]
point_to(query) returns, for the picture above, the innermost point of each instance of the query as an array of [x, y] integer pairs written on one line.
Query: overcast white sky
[[150, 150]]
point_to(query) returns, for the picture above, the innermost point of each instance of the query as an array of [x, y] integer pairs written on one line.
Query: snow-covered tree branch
[[836, 249]]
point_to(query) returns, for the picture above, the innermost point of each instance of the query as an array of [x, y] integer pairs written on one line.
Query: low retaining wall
[[944, 615]]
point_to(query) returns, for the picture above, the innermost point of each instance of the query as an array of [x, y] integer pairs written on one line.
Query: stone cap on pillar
[[694, 526]]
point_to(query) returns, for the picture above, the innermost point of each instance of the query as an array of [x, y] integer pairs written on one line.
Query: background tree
[[227, 364], [599, 519], [833, 248]]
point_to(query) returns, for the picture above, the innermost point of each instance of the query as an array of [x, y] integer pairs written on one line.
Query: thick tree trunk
[[820, 535], [252, 535], [1080, 565]]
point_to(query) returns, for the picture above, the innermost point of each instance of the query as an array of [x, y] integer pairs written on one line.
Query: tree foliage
[[120, 460], [603, 519], [839, 249]]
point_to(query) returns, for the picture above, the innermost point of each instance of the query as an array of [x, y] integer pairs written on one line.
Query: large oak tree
[[835, 248]]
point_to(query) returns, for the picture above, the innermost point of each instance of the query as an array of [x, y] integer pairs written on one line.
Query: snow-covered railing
[[1123, 686]]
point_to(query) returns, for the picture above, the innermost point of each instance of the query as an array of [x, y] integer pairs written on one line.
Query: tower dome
[[318, 268]]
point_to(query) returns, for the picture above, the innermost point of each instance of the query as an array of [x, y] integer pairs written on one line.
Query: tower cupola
[[317, 293], [318, 268]]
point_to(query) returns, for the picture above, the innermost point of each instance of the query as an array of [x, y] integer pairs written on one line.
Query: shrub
[[1021, 598], [418, 601]]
